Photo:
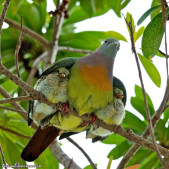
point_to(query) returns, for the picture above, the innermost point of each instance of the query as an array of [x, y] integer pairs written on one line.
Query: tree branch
[[18, 46], [143, 90], [163, 3], [35, 66], [58, 21], [16, 99], [2, 17], [14, 132], [29, 32], [82, 150], [3, 158], [74, 50], [61, 156], [128, 134], [12, 109]]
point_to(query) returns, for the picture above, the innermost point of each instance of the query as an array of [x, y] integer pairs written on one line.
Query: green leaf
[[129, 18], [125, 3], [114, 139], [151, 70], [88, 6], [150, 161], [138, 33], [152, 36], [89, 167], [139, 157], [120, 150], [116, 6], [156, 12], [47, 160], [131, 121], [147, 13]]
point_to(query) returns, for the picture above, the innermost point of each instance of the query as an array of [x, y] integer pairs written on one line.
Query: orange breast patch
[[96, 76]]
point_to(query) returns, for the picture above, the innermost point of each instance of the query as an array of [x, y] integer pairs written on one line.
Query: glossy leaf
[[88, 6], [120, 150], [138, 33], [151, 70], [150, 161], [131, 121], [51, 163], [147, 13], [139, 157], [116, 6], [156, 12], [125, 3], [152, 36], [114, 139]]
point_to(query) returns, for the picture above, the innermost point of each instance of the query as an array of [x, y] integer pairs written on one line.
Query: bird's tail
[[39, 142]]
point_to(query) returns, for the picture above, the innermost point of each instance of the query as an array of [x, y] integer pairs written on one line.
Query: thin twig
[[35, 66], [2, 17], [26, 87], [16, 99], [61, 156], [31, 33], [74, 50], [23, 113], [82, 150], [163, 2], [143, 91], [18, 46], [12, 109], [14, 132], [58, 21], [3, 157]]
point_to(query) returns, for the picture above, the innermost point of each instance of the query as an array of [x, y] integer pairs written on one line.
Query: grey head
[[109, 47]]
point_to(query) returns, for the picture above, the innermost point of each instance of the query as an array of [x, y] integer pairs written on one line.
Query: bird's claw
[[64, 109]]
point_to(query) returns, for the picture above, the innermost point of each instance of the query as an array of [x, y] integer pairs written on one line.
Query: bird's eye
[[105, 41]]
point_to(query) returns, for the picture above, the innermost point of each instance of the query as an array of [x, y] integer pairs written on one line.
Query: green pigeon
[[112, 114], [89, 88]]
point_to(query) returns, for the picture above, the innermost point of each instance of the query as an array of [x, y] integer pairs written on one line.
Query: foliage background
[[36, 18]]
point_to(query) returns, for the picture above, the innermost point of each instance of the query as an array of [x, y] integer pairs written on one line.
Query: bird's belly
[[67, 123], [87, 97]]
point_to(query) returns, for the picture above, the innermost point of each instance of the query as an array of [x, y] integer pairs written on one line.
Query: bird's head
[[110, 47]]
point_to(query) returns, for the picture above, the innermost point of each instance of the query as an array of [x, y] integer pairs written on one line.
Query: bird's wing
[[65, 62]]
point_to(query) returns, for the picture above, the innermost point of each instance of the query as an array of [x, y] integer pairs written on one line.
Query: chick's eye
[[105, 41]]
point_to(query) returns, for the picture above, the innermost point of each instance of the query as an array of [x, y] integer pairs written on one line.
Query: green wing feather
[[65, 62]]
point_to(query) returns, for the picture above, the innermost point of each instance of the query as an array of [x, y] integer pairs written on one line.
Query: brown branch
[[74, 50], [35, 66], [27, 31], [61, 156], [14, 132], [3, 158], [12, 109], [82, 150], [26, 87], [128, 134], [2, 17], [16, 99], [58, 22], [143, 90], [18, 46], [163, 3]]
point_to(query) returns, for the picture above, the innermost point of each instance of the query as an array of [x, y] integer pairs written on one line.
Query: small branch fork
[[129, 24], [82, 150]]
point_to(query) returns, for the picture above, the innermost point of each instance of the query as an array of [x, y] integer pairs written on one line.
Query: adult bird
[[89, 88]]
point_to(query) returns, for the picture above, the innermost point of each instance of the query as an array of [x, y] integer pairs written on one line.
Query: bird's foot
[[85, 123], [94, 118], [64, 108]]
